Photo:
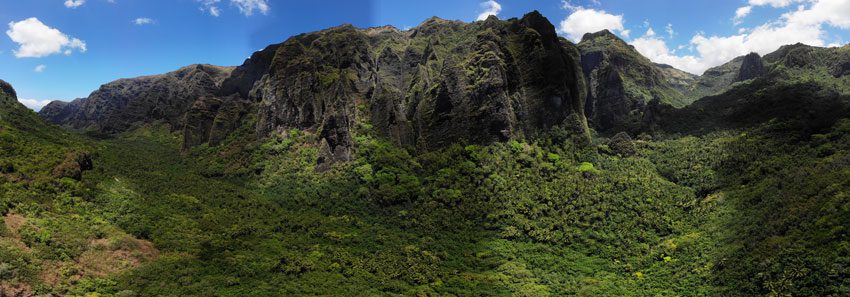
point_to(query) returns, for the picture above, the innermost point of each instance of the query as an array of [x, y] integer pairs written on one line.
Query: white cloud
[[740, 13], [490, 8], [143, 21], [804, 25], [38, 40], [40, 68], [774, 3], [655, 48], [215, 11], [210, 6], [34, 104], [247, 7], [669, 30], [74, 3], [585, 20]]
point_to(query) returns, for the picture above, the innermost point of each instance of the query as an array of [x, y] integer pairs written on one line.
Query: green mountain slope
[[53, 239], [742, 193]]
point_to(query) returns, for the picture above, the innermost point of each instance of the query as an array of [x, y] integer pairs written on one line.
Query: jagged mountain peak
[[7, 88], [622, 82], [752, 66], [605, 34]]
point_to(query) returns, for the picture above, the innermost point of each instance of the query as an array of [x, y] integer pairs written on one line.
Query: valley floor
[[741, 213]]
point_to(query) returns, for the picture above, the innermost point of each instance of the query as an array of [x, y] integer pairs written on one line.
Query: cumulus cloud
[[490, 8], [656, 49], [143, 21], [74, 3], [586, 20], [804, 25], [38, 40], [34, 104], [40, 68]]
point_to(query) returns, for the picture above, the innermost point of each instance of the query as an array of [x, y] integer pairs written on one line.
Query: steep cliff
[[751, 67], [621, 82], [440, 83], [123, 104]]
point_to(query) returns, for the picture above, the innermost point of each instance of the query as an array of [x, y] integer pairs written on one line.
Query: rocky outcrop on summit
[[126, 103], [752, 67], [60, 112], [8, 99], [621, 82], [7, 89]]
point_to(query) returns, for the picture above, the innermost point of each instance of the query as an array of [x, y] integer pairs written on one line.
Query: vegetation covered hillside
[[53, 239], [743, 193]]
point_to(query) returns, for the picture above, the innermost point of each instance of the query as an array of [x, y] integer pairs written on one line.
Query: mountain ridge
[[415, 84], [618, 86]]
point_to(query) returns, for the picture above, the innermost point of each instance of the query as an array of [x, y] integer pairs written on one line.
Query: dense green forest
[[740, 212], [491, 158]]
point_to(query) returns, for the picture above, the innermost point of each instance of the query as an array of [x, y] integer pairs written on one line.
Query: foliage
[[761, 209]]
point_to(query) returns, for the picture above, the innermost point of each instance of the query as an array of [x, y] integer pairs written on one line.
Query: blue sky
[[65, 49]]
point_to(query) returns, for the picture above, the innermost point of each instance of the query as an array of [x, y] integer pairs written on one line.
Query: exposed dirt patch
[[13, 223], [15, 289], [108, 256], [52, 273], [104, 257]]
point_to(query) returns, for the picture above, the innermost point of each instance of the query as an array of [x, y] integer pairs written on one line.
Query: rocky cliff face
[[752, 67], [621, 82], [126, 103], [210, 119], [7, 89], [440, 83]]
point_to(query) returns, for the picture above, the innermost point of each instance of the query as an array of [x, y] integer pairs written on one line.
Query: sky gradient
[[65, 49]]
